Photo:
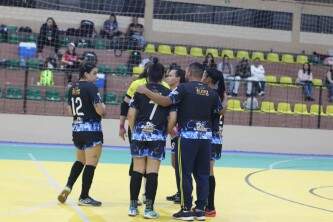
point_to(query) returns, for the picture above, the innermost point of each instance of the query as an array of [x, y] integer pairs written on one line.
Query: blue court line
[[59, 145]]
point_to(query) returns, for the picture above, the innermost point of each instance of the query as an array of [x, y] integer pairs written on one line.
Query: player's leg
[[176, 197]]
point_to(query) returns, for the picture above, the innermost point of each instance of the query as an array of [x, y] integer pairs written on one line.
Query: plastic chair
[[267, 107], [273, 57], [258, 55], [284, 108], [213, 51], [301, 109], [287, 58], [13, 92], [137, 70], [111, 99], [314, 110], [242, 54], [181, 50], [286, 80], [52, 95], [34, 93], [164, 49], [271, 80], [317, 82], [13, 38], [329, 110], [234, 105], [228, 52], [100, 43], [121, 70], [196, 52], [302, 59], [150, 48], [34, 63]]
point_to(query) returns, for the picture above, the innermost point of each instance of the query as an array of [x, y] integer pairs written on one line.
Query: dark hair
[[155, 71], [181, 74], [205, 62], [74, 50], [86, 68], [309, 68], [217, 77], [53, 21], [196, 69], [113, 15]]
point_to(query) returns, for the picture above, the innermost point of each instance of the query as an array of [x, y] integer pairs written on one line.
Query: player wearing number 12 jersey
[[87, 109]]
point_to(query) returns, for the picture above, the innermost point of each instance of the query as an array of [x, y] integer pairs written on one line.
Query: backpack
[[87, 28], [89, 57]]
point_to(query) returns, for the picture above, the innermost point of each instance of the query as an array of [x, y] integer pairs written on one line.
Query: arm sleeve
[[177, 94]]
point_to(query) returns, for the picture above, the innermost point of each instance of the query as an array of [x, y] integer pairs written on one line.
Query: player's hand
[[122, 132], [142, 89]]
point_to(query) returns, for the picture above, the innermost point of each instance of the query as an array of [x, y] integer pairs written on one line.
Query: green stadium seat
[[273, 57], [150, 48], [100, 43], [267, 107], [13, 38], [181, 50], [228, 52], [34, 93], [164, 49], [13, 63], [271, 80], [34, 63], [329, 110], [3, 37], [302, 59], [121, 70], [31, 38], [242, 54], [314, 110], [11, 28], [317, 82], [52, 95], [13, 92], [137, 70], [196, 52], [234, 105], [301, 109], [111, 99], [213, 51], [64, 40], [286, 80], [284, 108], [287, 58], [258, 55], [104, 69]]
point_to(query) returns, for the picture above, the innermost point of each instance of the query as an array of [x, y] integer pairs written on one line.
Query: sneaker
[[133, 209], [210, 213], [64, 194], [177, 199], [183, 214], [173, 197], [199, 214], [89, 202], [150, 214], [262, 93]]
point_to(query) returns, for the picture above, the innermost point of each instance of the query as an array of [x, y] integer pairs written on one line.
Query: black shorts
[[84, 140], [174, 144], [151, 149], [216, 151]]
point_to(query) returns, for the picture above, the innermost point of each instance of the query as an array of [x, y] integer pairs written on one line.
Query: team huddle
[[188, 106]]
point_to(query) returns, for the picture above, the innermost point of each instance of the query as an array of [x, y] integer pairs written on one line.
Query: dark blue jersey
[[151, 119], [82, 97], [196, 106]]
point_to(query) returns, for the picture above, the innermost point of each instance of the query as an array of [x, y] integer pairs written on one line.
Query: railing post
[[251, 110], [320, 104], [25, 89]]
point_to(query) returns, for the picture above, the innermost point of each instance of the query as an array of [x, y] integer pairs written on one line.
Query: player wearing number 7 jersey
[[87, 109], [148, 123]]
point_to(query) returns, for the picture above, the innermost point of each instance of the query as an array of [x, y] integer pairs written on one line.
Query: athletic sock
[[211, 195], [135, 185], [74, 174], [87, 178], [151, 188]]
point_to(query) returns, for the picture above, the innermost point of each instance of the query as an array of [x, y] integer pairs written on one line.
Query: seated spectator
[[110, 28], [48, 35], [70, 61], [258, 75], [243, 72], [46, 75], [305, 78], [135, 31], [209, 62], [315, 58], [329, 83], [227, 69]]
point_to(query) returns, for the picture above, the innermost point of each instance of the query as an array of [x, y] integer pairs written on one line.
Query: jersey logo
[[202, 91], [200, 127], [148, 128]]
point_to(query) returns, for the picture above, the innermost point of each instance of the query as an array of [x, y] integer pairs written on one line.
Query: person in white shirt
[[228, 73], [305, 78], [258, 75]]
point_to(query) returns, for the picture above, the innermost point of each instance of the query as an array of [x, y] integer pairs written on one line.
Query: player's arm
[[100, 108], [157, 98], [69, 110], [131, 117], [224, 103], [124, 106], [97, 100], [172, 121]]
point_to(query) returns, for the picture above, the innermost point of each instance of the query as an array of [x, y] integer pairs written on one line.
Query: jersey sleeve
[[135, 101], [95, 95], [131, 89], [177, 94], [217, 106]]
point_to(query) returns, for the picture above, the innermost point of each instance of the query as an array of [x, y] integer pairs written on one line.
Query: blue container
[[27, 50], [100, 81]]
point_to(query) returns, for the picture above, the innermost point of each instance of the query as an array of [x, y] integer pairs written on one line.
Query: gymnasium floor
[[251, 187]]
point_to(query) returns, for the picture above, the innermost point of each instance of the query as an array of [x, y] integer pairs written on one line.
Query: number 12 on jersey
[[76, 106]]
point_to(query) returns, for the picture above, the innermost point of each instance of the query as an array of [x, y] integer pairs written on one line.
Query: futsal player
[[87, 109], [196, 103], [214, 79]]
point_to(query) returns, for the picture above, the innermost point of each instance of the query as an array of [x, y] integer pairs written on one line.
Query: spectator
[[315, 58], [329, 83], [46, 76], [243, 72], [70, 61], [48, 35], [110, 28], [227, 69], [209, 62], [258, 75], [305, 79], [135, 32]]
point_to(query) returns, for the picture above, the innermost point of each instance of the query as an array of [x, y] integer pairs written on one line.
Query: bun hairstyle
[[86, 68], [155, 71], [218, 79]]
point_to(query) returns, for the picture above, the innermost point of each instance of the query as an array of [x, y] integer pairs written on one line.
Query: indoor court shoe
[[175, 198], [89, 202], [150, 214], [133, 209], [210, 213], [184, 214], [64, 194], [199, 214]]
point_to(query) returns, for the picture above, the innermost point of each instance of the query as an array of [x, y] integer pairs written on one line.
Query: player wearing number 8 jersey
[[87, 109], [149, 124]]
